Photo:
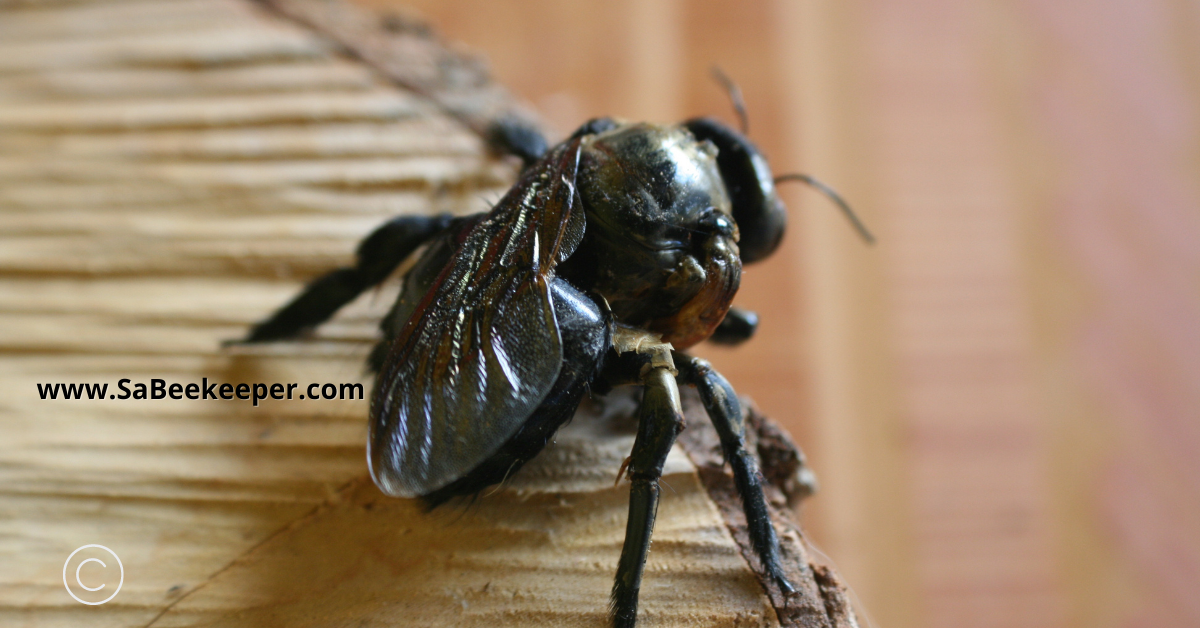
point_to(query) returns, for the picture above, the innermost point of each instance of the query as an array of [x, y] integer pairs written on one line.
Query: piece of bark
[[147, 218], [820, 599]]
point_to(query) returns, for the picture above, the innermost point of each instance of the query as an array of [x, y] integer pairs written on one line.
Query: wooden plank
[[145, 226]]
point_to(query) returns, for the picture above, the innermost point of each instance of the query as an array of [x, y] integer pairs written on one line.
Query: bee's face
[[660, 233]]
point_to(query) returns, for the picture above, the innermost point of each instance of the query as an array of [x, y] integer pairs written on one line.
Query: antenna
[[735, 96], [833, 196]]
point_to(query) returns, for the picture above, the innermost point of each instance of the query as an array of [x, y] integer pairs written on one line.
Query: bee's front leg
[[660, 419], [725, 411], [737, 327]]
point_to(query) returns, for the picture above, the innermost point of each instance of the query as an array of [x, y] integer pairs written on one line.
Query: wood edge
[[406, 50]]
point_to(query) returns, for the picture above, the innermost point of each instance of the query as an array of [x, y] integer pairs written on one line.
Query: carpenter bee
[[613, 252]]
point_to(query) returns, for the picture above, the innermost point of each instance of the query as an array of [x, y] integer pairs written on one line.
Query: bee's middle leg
[[660, 419]]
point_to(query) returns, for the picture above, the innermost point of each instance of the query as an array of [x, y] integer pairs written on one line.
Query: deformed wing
[[482, 350]]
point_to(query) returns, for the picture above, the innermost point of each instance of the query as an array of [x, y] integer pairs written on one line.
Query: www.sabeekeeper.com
[[161, 389]]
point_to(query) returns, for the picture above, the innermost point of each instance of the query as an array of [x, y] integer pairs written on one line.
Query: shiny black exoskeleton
[[615, 250]]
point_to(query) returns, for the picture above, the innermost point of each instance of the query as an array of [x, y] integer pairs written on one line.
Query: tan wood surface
[[171, 172]]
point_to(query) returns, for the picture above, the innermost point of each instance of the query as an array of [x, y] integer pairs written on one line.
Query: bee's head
[[760, 215]]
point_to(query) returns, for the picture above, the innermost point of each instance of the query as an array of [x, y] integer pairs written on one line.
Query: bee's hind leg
[[660, 419], [378, 255], [725, 410]]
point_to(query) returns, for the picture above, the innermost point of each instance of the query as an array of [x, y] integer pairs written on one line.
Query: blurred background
[[1002, 398]]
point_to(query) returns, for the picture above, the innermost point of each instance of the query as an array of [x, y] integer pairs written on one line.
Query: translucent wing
[[482, 350]]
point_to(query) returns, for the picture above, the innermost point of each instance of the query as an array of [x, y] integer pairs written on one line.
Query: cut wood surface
[[171, 172]]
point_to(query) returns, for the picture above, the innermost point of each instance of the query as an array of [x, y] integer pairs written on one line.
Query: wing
[[482, 349]]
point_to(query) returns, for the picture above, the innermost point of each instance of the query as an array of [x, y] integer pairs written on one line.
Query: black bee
[[615, 250]]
